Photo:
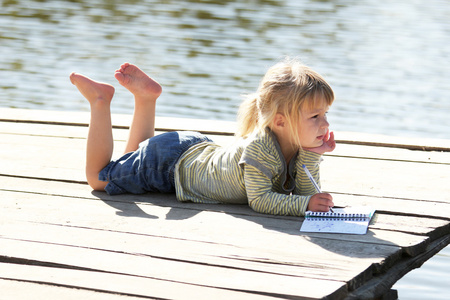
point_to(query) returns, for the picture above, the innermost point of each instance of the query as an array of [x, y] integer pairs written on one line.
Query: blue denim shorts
[[150, 168]]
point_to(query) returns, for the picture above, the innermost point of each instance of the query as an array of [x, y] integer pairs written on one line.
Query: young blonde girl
[[281, 127]]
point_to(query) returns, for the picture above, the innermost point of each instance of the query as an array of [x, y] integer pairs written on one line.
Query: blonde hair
[[286, 88]]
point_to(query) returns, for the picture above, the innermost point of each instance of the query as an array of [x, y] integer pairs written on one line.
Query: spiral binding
[[327, 215], [338, 219]]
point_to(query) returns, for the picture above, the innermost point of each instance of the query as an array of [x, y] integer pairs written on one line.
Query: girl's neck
[[286, 147], [283, 134], [288, 154]]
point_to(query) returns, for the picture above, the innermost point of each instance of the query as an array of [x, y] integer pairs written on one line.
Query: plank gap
[[385, 197], [386, 159], [42, 179], [391, 145], [82, 288], [114, 126], [391, 213]]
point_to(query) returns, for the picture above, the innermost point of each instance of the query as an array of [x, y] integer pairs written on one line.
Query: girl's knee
[[95, 183]]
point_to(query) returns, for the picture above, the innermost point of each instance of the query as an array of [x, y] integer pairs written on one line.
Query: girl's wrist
[[314, 150]]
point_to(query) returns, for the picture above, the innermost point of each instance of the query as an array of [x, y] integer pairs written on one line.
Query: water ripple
[[388, 63]]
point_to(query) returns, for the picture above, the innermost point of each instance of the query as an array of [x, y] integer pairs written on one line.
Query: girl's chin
[[315, 144]]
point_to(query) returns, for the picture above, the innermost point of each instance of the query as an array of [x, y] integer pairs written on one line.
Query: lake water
[[388, 62]]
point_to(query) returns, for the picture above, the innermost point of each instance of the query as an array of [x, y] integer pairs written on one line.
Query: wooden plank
[[40, 203], [408, 189], [143, 203], [216, 126], [75, 132], [390, 154], [66, 283], [43, 157], [22, 289], [119, 120], [416, 208], [379, 140], [430, 208], [381, 178], [46, 157], [192, 228], [217, 235], [163, 250], [242, 260], [342, 150], [258, 283], [399, 206]]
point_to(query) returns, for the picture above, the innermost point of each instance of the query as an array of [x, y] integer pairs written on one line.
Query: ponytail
[[247, 116]]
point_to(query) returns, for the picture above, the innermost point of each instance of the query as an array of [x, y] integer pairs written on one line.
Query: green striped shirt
[[252, 171]]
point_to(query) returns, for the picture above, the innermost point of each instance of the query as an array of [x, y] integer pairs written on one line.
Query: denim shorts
[[151, 167]]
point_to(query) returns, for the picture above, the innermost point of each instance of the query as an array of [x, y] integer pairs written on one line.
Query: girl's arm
[[259, 159], [304, 186], [262, 199]]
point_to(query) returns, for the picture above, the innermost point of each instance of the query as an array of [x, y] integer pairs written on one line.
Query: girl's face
[[313, 126]]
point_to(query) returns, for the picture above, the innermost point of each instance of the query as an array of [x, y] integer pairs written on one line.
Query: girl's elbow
[[255, 204]]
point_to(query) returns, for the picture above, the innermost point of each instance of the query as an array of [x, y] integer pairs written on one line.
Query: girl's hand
[[329, 144], [320, 202]]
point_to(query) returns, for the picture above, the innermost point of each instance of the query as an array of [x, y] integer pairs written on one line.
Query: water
[[431, 281], [388, 62]]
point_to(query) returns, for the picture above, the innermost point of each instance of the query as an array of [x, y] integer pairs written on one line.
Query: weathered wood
[[339, 174], [375, 287], [158, 225], [208, 126], [59, 237], [36, 289], [390, 154], [56, 209], [119, 121], [386, 178], [343, 150], [46, 209], [391, 205], [178, 271], [104, 285], [419, 224]]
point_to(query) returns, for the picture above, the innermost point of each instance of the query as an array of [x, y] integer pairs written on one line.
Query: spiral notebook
[[350, 220]]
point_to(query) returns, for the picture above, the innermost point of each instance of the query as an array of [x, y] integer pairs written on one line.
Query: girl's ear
[[279, 121]]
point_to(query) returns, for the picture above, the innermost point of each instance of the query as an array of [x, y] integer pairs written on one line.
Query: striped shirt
[[252, 170]]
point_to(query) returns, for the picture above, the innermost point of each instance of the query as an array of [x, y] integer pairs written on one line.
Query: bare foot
[[137, 82], [95, 92]]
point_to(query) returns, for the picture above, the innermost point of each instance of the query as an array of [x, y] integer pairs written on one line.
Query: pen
[[313, 182]]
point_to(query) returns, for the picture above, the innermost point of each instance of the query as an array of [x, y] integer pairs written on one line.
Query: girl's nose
[[325, 123]]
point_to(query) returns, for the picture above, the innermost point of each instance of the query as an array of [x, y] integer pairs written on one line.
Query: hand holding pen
[[320, 201]]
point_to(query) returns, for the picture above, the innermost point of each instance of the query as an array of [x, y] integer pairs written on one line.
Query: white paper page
[[339, 225]]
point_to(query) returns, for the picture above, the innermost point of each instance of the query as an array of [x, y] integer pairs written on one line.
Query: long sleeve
[[272, 187], [304, 186], [262, 199]]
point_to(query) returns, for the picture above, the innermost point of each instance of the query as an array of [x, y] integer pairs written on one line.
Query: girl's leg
[[100, 140], [145, 91]]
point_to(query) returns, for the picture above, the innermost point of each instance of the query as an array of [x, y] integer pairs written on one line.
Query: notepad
[[350, 220]]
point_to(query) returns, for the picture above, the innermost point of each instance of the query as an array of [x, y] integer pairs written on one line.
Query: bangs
[[318, 97]]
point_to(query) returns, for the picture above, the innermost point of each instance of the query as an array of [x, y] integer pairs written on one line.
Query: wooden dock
[[60, 240]]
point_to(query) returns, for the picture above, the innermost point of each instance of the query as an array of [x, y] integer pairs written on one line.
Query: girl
[[280, 127]]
